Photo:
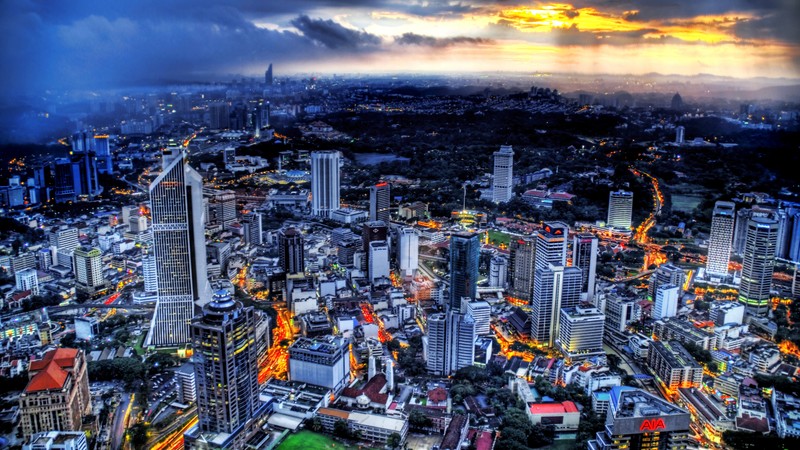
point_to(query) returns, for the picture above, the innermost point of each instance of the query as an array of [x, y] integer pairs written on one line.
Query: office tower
[[520, 268], [253, 228], [584, 257], [25, 260], [84, 165], [408, 252], [322, 361], [187, 387], [666, 301], [481, 312], [64, 183], [758, 264], [619, 311], [666, 274], [257, 122], [221, 207], [65, 241], [378, 260], [461, 334], [57, 440], [179, 248], [680, 133], [464, 260], [719, 242], [581, 332], [149, 273], [102, 150], [268, 76], [740, 230], [290, 250], [57, 394], [435, 354], [784, 238], [793, 247], [44, 259], [325, 182], [551, 246], [219, 116], [554, 288], [673, 366], [27, 280], [723, 313], [498, 272], [128, 212], [638, 420], [502, 185], [379, 200], [225, 364], [620, 209], [88, 269]]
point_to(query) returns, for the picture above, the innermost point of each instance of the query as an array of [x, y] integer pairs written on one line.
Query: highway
[[121, 419]]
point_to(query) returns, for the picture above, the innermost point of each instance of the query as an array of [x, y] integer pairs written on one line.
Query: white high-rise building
[[27, 280], [758, 265], [666, 301], [503, 186], [435, 350], [64, 240], [498, 272], [179, 248], [551, 246], [325, 183], [378, 260], [450, 342], [408, 252], [554, 288], [149, 273], [680, 135], [481, 312], [620, 209], [719, 242], [581, 332]]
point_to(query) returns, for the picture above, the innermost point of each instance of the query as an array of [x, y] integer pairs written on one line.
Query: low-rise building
[[674, 367], [372, 427], [563, 416], [787, 414]]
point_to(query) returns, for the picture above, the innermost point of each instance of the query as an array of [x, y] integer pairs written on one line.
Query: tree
[[418, 420], [315, 424], [394, 440], [138, 435], [340, 429]]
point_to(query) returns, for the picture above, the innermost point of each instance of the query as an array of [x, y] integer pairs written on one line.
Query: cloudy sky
[[84, 43]]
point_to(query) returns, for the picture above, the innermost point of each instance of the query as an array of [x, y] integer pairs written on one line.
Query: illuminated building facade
[[551, 246], [464, 260], [620, 210], [325, 182], [502, 185], [584, 257], [719, 242], [379, 202], [758, 265], [553, 288]]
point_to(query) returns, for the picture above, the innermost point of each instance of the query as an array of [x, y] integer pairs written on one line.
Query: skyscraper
[[408, 252], [498, 272], [502, 185], [102, 149], [758, 264], [325, 184], [620, 209], [88, 269], [179, 248], [464, 260], [719, 242], [520, 268], [290, 251], [554, 288], [581, 332], [451, 342], [740, 230], [435, 351], [551, 246], [64, 182], [372, 231], [680, 135], [268, 76], [225, 364], [84, 165], [378, 260], [666, 301], [379, 199], [584, 257], [253, 228], [27, 280], [666, 274]]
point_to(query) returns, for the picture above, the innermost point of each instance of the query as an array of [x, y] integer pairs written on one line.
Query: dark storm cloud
[[430, 41], [333, 35]]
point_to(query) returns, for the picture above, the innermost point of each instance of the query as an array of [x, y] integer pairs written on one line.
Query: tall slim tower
[[325, 183], [379, 200], [551, 246], [290, 251], [584, 257], [437, 344], [179, 248], [268, 76], [520, 268], [620, 209], [719, 243], [225, 364], [464, 260], [554, 288], [758, 264], [408, 252], [502, 186]]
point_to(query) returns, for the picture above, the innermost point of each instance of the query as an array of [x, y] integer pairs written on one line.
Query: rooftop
[[553, 408], [631, 402]]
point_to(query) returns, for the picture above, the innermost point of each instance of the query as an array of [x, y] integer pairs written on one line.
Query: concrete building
[[221, 207], [666, 274], [481, 312], [581, 332], [620, 210], [371, 427], [502, 184], [758, 265], [253, 228], [520, 268], [290, 251], [683, 331], [498, 272], [27, 280], [378, 261], [554, 288], [86, 328], [720, 239], [464, 261], [584, 257], [563, 416], [88, 268], [379, 202], [325, 182], [551, 246], [666, 302], [450, 342], [723, 313], [674, 366], [57, 440], [408, 252], [321, 361]]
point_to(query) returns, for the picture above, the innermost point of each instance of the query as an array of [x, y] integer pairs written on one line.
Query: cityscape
[[400, 225]]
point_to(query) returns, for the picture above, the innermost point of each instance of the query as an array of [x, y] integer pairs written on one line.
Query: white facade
[[88, 267], [498, 272], [481, 312], [27, 280], [719, 242], [620, 209], [322, 362], [325, 182], [408, 252], [502, 186], [581, 332], [666, 301], [378, 260]]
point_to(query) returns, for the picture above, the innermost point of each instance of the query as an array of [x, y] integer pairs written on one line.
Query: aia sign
[[652, 425]]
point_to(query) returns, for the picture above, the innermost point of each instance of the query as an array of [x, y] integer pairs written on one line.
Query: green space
[[499, 238], [309, 440], [685, 203]]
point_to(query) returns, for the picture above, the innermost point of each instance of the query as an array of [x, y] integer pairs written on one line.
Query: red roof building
[[563, 416]]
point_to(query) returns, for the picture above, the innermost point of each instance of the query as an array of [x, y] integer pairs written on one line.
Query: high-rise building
[[268, 76], [378, 260], [498, 272], [57, 395], [88, 269], [620, 210], [638, 420], [408, 252], [379, 202], [290, 251], [149, 272], [102, 149], [554, 288], [325, 184], [551, 246], [520, 268], [451, 342], [481, 312], [758, 265], [673, 366], [666, 274], [584, 257], [65, 241], [84, 165], [464, 260], [666, 301], [502, 185], [436, 348], [221, 207], [581, 332], [740, 230], [322, 361], [64, 182], [253, 228], [27, 280], [719, 242], [179, 248], [225, 364], [680, 135], [219, 116]]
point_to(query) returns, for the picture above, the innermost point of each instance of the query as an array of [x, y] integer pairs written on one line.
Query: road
[[121, 416]]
